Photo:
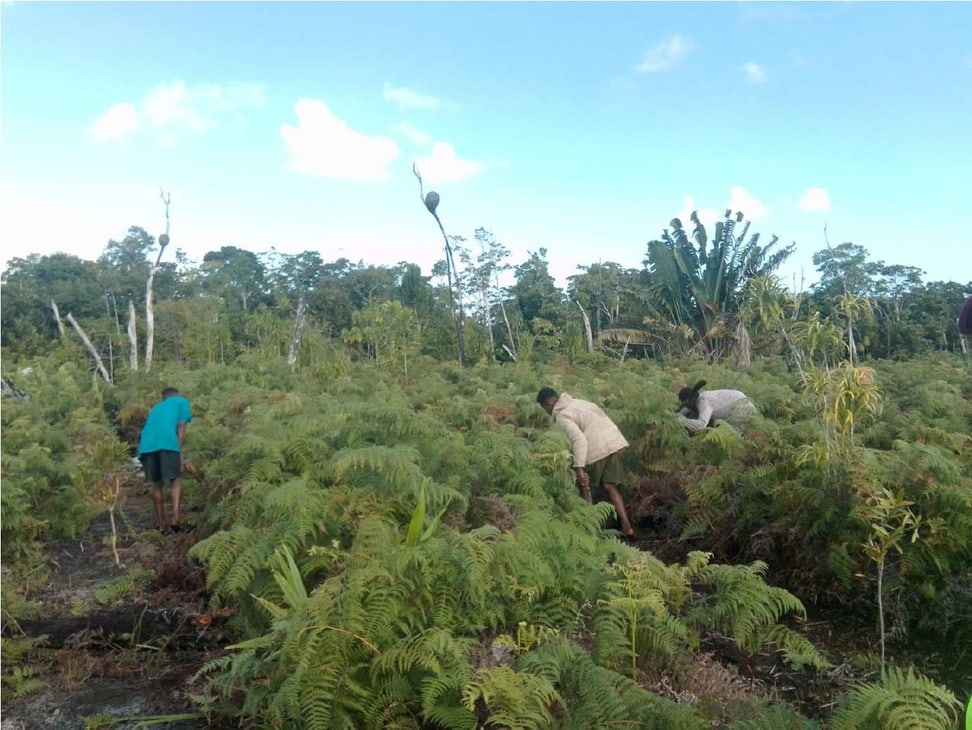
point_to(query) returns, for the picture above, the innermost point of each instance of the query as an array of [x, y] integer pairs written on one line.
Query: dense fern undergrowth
[[411, 553]]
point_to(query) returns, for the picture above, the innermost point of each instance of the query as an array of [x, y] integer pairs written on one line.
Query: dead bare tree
[[57, 317], [149, 303], [132, 336], [588, 335], [431, 202], [298, 328], [87, 343]]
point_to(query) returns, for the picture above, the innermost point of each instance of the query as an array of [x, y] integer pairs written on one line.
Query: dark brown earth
[[115, 653]]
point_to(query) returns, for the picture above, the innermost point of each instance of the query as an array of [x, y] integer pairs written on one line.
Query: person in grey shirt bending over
[[699, 410]]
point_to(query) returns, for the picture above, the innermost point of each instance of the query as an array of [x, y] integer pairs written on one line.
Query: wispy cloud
[[668, 54], [814, 199], [174, 109], [323, 145], [755, 73], [442, 165], [409, 98], [707, 216], [413, 133], [741, 201], [115, 124]]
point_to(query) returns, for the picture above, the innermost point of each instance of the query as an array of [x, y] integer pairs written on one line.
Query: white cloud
[[706, 215], [741, 201], [410, 131], [814, 199], [755, 73], [443, 165], [115, 124], [666, 55], [174, 109], [409, 98], [323, 145], [177, 107]]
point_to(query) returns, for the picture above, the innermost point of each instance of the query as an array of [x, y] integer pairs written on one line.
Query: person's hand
[[187, 467], [583, 478]]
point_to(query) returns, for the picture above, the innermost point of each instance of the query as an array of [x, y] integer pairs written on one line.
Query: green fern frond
[[905, 700], [742, 604], [513, 700]]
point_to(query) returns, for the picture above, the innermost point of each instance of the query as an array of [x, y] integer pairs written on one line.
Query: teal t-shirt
[[159, 432]]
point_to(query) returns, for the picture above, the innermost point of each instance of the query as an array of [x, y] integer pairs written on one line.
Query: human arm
[[181, 434], [701, 421], [578, 448]]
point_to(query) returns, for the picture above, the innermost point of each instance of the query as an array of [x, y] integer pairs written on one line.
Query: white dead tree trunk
[[132, 337], [57, 317], [298, 328], [587, 328], [149, 303], [87, 343]]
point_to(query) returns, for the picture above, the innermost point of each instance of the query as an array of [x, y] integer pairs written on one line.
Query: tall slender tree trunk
[[588, 335], [298, 328], [87, 343], [488, 316], [57, 317], [149, 300], [132, 337], [851, 345]]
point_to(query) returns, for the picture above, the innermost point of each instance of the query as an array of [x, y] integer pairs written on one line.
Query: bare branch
[[87, 343]]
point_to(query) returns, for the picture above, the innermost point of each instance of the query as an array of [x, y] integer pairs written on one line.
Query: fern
[[904, 700], [747, 610], [513, 700], [593, 696]]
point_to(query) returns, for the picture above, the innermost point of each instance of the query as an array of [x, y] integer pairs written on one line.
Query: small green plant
[[890, 520], [121, 588], [528, 637], [899, 700], [18, 676]]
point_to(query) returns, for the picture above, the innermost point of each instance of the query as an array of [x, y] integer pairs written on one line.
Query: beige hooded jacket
[[592, 434]]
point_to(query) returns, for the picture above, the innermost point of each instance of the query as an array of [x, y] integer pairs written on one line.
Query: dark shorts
[[162, 466], [609, 470]]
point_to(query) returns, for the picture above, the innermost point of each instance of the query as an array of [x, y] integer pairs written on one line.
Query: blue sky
[[581, 128]]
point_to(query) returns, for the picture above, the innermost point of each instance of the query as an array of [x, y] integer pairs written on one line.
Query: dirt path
[[122, 641]]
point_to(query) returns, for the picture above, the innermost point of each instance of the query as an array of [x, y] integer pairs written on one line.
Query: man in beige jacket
[[596, 444]]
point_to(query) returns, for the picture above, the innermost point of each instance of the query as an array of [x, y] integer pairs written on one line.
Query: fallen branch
[[127, 624], [87, 343]]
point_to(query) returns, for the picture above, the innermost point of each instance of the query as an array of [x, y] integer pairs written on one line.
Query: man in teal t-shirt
[[160, 450]]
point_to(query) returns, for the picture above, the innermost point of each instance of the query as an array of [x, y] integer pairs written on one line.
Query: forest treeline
[[711, 295]]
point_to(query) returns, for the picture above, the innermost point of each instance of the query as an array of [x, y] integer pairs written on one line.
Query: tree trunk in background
[[149, 305], [298, 327], [587, 328], [132, 337], [87, 343], [511, 350], [744, 346], [150, 318], [57, 317]]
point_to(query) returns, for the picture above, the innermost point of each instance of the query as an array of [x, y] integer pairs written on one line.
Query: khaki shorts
[[609, 470]]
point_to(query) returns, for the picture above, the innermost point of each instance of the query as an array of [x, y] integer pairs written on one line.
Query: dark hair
[[166, 392], [690, 393], [546, 394]]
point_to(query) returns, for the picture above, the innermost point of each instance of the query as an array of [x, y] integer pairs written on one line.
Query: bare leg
[[176, 499], [159, 507], [618, 503]]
